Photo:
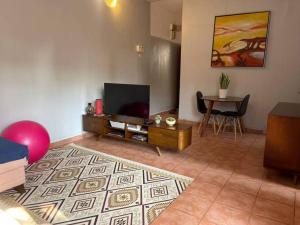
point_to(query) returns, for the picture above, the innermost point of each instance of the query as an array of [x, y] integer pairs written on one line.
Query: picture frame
[[240, 40]]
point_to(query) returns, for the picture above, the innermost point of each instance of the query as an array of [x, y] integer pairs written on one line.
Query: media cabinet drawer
[[93, 124], [163, 137]]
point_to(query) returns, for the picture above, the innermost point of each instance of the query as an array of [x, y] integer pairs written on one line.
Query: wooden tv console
[[176, 138]]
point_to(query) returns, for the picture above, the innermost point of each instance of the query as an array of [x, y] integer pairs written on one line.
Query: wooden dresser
[[282, 150], [176, 138]]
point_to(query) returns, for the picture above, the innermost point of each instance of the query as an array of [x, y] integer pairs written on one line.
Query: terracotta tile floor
[[231, 187]]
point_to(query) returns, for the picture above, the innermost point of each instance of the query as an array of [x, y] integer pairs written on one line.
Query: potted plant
[[157, 119], [224, 83]]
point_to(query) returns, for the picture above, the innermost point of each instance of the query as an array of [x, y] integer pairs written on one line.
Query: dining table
[[211, 101]]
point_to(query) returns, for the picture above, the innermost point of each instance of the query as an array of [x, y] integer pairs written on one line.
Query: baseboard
[[70, 140], [248, 130], [165, 114], [254, 131], [189, 122]]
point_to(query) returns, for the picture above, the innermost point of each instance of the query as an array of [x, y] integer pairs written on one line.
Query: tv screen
[[127, 99]]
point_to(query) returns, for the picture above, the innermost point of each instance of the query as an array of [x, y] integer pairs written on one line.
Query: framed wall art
[[240, 40]]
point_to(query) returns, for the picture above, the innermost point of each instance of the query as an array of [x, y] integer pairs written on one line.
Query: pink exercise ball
[[31, 134]]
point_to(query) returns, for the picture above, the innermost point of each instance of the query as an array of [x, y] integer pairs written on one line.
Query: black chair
[[235, 116], [203, 110]]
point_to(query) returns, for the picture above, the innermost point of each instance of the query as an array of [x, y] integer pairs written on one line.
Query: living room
[[183, 160]]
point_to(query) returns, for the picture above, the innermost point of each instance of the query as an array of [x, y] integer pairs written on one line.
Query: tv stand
[[148, 122], [175, 138]]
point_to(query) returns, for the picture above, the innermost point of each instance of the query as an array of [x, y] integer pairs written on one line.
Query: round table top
[[217, 99]]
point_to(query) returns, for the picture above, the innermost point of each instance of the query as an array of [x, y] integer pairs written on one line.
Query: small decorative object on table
[[171, 121], [224, 83], [98, 107], [90, 110], [158, 119]]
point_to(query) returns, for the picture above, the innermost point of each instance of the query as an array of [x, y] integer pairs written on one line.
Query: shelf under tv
[[138, 131], [176, 138]]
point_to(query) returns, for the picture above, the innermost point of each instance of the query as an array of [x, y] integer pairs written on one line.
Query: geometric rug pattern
[[79, 186]]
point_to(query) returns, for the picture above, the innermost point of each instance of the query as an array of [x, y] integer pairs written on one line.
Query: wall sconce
[[173, 30], [139, 49], [111, 3]]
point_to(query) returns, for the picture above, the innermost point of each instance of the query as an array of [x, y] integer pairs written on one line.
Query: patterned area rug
[[76, 185]]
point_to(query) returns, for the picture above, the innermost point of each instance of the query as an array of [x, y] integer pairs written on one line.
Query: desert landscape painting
[[240, 40]]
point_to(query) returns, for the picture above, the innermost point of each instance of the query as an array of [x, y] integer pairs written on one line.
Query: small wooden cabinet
[[176, 138], [93, 124], [282, 150]]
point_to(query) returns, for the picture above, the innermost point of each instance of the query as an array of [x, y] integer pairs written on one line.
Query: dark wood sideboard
[[282, 150], [177, 137]]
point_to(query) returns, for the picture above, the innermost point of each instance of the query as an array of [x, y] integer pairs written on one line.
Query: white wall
[[56, 55], [161, 17], [278, 81]]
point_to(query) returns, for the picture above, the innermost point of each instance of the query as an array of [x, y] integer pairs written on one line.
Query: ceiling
[[172, 5]]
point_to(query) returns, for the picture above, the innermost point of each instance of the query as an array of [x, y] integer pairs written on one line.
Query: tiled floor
[[231, 187]]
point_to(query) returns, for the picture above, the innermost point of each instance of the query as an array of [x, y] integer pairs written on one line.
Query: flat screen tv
[[127, 99]]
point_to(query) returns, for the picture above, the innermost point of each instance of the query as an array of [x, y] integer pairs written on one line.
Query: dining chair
[[203, 110], [235, 116]]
